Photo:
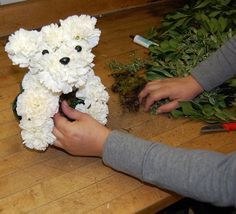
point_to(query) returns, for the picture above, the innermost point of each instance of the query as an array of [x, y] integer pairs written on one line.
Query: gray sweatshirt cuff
[[121, 153], [218, 68]]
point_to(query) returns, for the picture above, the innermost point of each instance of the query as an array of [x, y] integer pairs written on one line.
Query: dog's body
[[59, 59]]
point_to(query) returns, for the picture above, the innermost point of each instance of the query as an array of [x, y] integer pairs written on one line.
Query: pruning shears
[[219, 127]]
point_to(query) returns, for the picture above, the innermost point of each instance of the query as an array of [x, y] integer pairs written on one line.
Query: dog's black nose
[[64, 60]]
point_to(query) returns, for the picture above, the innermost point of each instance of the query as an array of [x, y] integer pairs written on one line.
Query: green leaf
[[213, 24], [232, 82], [202, 4], [212, 100], [214, 14], [166, 24], [221, 104], [187, 109], [221, 116], [202, 33], [197, 106], [153, 76], [180, 22], [208, 110], [223, 23], [230, 114], [173, 43], [177, 113], [224, 3], [231, 12], [162, 72], [177, 15], [164, 46]]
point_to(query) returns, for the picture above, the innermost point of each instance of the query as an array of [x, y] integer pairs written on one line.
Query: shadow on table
[[190, 206]]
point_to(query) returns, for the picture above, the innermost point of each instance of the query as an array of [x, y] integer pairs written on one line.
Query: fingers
[[58, 144], [157, 90], [61, 124], [149, 88], [70, 112], [57, 133], [168, 107], [59, 119], [59, 137], [153, 97]]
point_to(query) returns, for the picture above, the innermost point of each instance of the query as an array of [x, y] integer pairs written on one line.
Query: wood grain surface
[[36, 13], [55, 182]]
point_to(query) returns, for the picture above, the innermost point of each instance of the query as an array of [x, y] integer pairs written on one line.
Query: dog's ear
[[23, 46], [82, 28], [93, 39]]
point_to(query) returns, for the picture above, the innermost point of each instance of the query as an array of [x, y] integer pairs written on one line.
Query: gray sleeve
[[202, 175], [217, 68]]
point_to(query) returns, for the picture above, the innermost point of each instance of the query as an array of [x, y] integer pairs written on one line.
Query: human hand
[[84, 136], [176, 89]]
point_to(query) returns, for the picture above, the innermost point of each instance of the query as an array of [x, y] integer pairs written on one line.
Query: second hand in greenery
[[187, 37]]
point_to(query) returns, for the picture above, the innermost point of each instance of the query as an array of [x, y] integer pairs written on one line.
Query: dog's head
[[59, 55]]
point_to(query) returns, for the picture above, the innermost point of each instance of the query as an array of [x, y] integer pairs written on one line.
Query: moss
[[128, 85]]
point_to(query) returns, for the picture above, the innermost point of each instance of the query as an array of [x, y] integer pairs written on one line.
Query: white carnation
[[37, 137], [95, 98], [37, 106], [23, 46], [93, 90], [52, 35], [31, 82], [85, 56], [97, 109], [82, 28]]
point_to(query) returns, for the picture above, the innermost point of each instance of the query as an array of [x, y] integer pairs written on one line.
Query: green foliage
[[187, 37], [14, 104], [129, 81], [210, 107], [128, 86], [71, 99], [136, 65]]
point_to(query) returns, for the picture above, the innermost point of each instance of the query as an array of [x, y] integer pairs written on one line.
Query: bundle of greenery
[[186, 37]]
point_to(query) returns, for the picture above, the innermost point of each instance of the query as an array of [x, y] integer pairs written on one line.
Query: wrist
[[195, 86], [102, 140]]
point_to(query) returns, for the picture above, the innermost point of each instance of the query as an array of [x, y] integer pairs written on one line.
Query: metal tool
[[219, 127]]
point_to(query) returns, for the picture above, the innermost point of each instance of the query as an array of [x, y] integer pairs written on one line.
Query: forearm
[[218, 68], [202, 175]]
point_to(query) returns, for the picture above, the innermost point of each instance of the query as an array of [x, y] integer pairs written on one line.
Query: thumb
[[70, 112]]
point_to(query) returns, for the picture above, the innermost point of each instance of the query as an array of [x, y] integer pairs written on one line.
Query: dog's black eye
[[45, 52], [78, 48]]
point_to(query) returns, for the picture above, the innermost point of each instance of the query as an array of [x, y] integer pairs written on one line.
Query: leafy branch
[[187, 37]]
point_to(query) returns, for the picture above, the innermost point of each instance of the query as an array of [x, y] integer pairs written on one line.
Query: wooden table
[[55, 182]]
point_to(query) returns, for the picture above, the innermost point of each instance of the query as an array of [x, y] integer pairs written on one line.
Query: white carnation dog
[[59, 59]]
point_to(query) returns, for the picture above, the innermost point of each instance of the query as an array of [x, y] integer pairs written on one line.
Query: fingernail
[[159, 111]]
